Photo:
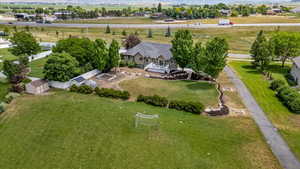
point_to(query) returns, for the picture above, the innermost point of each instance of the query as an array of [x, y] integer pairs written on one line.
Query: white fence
[[39, 56]]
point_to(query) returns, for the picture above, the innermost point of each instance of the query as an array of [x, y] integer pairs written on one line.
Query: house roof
[[296, 61], [152, 50], [38, 83]]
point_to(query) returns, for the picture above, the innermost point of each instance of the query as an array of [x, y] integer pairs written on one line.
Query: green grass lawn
[[72, 131], [37, 67], [282, 118], [176, 90]]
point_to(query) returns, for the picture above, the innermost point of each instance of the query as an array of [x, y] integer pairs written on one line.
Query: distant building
[[296, 10], [37, 87], [295, 71], [225, 12]]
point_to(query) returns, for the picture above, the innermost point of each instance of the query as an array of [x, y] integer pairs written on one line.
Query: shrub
[[153, 100], [131, 64], [2, 109], [85, 89], [8, 99], [26, 80], [287, 94], [112, 93], [295, 105], [73, 88], [276, 84], [18, 88], [290, 79], [192, 107]]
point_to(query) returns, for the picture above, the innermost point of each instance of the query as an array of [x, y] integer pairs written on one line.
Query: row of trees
[[280, 45], [209, 58], [74, 56]]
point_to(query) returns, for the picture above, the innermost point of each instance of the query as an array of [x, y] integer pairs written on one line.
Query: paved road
[[154, 26], [278, 146]]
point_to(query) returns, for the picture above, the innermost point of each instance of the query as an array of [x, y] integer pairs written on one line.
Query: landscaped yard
[[287, 122], [37, 67], [204, 92], [72, 131], [6, 55]]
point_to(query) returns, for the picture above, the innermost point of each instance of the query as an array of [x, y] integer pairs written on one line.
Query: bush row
[[192, 107], [84, 89], [105, 92], [290, 97]]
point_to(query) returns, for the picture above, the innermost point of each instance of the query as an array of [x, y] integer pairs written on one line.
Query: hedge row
[[104, 92], [84, 89], [290, 97], [192, 107]]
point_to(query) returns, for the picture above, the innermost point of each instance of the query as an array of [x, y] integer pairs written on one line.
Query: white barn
[[37, 87]]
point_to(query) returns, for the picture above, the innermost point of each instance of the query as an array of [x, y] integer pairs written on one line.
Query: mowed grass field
[[37, 67], [203, 92], [240, 39], [281, 117], [72, 131]]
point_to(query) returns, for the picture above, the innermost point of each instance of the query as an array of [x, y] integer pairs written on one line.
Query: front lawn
[[71, 131], [287, 122], [173, 90], [37, 67]]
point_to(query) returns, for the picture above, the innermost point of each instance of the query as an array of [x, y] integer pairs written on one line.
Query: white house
[[295, 71], [37, 87]]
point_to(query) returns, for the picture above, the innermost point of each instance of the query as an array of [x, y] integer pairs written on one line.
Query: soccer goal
[[146, 120]]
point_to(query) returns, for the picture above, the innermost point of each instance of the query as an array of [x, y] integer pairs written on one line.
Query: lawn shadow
[[278, 69], [200, 86], [250, 69]]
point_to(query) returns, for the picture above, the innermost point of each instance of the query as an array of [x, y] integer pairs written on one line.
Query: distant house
[[296, 10], [295, 71], [37, 87], [225, 12], [147, 53]]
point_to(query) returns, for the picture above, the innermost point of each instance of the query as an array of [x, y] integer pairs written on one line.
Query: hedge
[[154, 100], [192, 107], [288, 96], [276, 84], [1, 108], [84, 89], [112, 93]]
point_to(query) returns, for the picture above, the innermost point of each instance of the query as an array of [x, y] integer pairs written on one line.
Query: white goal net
[[146, 120]]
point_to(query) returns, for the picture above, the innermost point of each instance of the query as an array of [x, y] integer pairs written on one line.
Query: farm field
[[203, 92], [286, 122], [239, 38], [68, 130]]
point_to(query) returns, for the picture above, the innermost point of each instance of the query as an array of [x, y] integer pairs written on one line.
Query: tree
[[182, 47], [159, 8], [131, 41], [215, 56], [124, 33], [114, 55], [60, 67], [10, 69], [261, 51], [107, 29], [168, 33], [100, 60], [150, 33], [23, 43], [197, 60], [286, 45], [6, 31]]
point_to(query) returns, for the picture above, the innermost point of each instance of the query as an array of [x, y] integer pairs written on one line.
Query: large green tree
[[197, 60], [114, 55], [261, 51], [24, 44], [60, 67], [286, 45], [182, 47], [215, 56], [10, 69], [101, 59]]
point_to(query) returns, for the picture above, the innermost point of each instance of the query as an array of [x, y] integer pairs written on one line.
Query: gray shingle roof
[[152, 50], [296, 61]]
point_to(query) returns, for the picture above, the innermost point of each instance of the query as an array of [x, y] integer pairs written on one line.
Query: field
[[67, 130], [281, 117], [37, 67], [174, 90], [239, 38]]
